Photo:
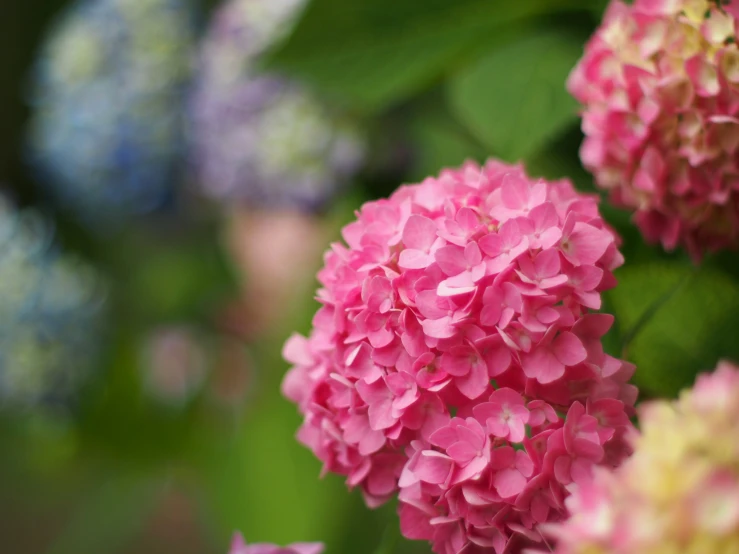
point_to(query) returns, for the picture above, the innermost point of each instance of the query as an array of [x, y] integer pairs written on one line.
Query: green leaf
[[675, 321], [439, 143], [514, 99], [375, 52]]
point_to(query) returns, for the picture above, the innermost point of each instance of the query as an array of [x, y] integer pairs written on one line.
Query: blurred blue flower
[[258, 137], [107, 96], [51, 310]]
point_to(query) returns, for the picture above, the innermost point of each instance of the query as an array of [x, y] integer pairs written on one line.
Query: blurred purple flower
[[257, 137]]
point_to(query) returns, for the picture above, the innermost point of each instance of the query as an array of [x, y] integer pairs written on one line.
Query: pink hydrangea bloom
[[455, 360], [679, 492], [659, 85], [238, 546]]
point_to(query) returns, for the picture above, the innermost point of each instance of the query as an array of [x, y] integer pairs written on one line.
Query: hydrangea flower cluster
[[455, 359], [679, 492], [238, 546], [659, 84], [106, 131], [258, 137], [50, 314]]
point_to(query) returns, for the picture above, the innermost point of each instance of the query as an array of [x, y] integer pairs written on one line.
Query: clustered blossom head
[[455, 359], [659, 84], [679, 492], [108, 90], [258, 137], [50, 315], [238, 546]]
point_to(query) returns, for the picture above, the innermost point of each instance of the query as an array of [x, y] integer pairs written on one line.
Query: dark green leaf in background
[[440, 142], [514, 99], [675, 321], [375, 52], [110, 517]]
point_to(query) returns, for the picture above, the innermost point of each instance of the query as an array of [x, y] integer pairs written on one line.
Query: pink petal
[[450, 259], [237, 543], [419, 233], [586, 244], [433, 467], [414, 523], [509, 483], [380, 415], [514, 192], [414, 259], [541, 364], [462, 452], [438, 328], [472, 432], [475, 382], [547, 263], [517, 430], [458, 361], [485, 411], [472, 470], [445, 436], [569, 349], [371, 442]]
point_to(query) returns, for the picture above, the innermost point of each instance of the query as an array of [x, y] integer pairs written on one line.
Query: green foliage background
[[443, 80]]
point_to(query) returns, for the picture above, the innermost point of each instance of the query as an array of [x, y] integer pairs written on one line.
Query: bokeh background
[[172, 171]]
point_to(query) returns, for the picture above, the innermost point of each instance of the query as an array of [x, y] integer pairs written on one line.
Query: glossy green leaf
[[441, 143], [675, 321], [514, 98], [375, 52]]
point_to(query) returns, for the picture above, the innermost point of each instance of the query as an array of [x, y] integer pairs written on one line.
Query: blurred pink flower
[[238, 546], [174, 364], [679, 492], [454, 335], [274, 253], [659, 85]]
